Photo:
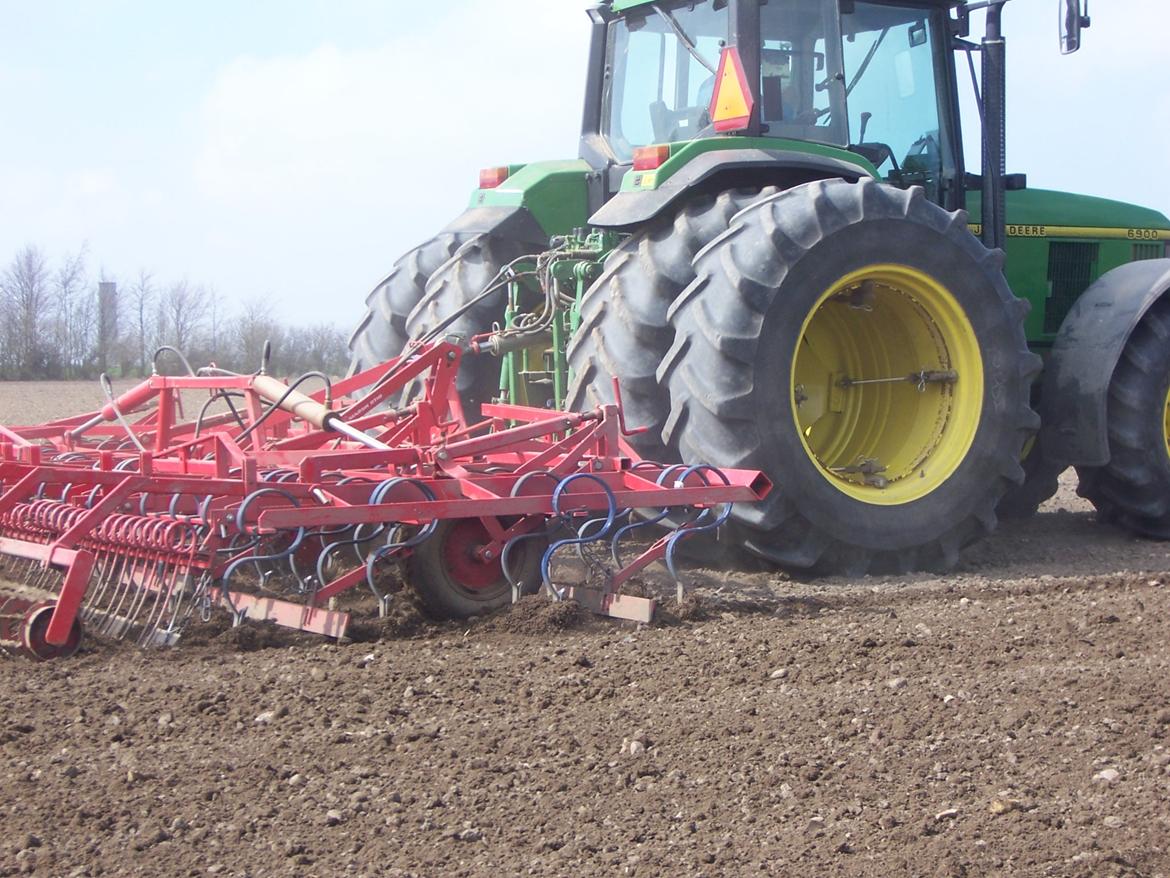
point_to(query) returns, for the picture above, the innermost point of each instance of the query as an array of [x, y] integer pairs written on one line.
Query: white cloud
[[326, 166], [357, 126]]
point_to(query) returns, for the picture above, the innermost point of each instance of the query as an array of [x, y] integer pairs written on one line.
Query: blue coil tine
[[258, 559], [424, 533], [376, 497], [634, 525], [715, 524], [546, 561], [506, 554], [93, 495], [622, 515]]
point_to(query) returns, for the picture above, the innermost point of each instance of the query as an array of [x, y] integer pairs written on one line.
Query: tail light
[[492, 178], [649, 158]]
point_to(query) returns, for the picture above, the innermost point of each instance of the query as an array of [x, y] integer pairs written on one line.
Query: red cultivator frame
[[133, 519]]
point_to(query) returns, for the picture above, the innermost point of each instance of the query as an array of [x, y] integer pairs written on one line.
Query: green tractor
[[765, 245]]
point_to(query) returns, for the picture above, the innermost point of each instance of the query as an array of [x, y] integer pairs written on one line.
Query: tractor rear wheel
[[1133, 489], [381, 334], [624, 330], [794, 353], [448, 300], [455, 582]]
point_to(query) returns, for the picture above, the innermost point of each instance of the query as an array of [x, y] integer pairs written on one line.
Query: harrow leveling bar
[[132, 520]]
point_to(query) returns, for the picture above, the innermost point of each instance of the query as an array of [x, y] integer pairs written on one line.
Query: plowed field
[[1010, 719]]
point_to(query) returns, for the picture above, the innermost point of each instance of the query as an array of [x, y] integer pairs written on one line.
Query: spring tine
[[142, 592], [614, 546], [706, 522], [161, 595], [103, 571], [602, 533]]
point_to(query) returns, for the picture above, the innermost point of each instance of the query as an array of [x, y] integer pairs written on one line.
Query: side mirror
[[1072, 20]]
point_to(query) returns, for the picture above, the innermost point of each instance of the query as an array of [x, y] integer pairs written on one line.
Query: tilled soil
[[1010, 719]]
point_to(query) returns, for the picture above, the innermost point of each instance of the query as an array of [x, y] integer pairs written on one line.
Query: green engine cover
[[1059, 243]]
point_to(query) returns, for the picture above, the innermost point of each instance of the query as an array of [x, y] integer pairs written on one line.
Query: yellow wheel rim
[[887, 385], [1166, 423]]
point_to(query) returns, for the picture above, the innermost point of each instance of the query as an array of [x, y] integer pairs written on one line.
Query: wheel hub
[[887, 384], [464, 559]]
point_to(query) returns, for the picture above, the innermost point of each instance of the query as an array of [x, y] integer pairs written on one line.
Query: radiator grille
[[1072, 266], [1156, 250]]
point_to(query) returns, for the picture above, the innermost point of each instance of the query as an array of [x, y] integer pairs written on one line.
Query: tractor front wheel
[[1133, 489], [859, 345]]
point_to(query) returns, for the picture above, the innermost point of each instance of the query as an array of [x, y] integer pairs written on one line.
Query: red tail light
[[491, 178], [648, 158]]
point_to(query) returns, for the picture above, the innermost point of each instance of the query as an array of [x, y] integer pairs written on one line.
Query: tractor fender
[[510, 223], [731, 168], [1075, 394]]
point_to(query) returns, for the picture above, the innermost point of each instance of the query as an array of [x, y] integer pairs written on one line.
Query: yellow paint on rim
[[887, 444], [1166, 423]]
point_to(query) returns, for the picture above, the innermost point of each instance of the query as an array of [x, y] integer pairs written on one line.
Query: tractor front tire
[[1133, 489], [381, 334], [793, 353], [624, 330]]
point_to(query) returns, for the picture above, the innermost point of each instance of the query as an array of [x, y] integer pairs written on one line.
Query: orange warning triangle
[[732, 103]]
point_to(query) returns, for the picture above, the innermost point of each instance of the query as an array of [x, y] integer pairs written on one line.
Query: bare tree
[[140, 298], [72, 324], [25, 293], [255, 325], [185, 309]]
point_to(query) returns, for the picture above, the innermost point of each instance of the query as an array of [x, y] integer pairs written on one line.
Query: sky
[[291, 150]]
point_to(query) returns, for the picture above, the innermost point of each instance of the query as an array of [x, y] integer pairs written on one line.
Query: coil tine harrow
[[131, 521]]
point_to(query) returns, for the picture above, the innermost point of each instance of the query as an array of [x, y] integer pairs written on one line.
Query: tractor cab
[[873, 78]]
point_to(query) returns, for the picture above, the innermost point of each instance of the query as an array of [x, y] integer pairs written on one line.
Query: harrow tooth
[[138, 526]]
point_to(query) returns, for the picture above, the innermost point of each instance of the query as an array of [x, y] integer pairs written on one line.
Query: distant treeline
[[60, 322]]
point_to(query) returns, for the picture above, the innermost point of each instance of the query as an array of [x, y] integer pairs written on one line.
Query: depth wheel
[[34, 630], [1133, 489], [381, 334], [793, 354], [624, 327], [455, 582]]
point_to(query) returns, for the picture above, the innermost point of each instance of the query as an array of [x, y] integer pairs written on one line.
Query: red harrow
[[273, 502]]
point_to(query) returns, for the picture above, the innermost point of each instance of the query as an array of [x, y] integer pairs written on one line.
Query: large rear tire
[[450, 290], [811, 292], [624, 330], [1133, 489], [381, 334]]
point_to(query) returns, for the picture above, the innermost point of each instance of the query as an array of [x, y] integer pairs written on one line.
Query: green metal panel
[[623, 5], [1059, 243], [555, 192], [684, 152]]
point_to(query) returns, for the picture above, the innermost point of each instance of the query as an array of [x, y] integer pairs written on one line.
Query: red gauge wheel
[[36, 625], [453, 578]]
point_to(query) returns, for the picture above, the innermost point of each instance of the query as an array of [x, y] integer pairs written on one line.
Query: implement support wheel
[[455, 580]]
